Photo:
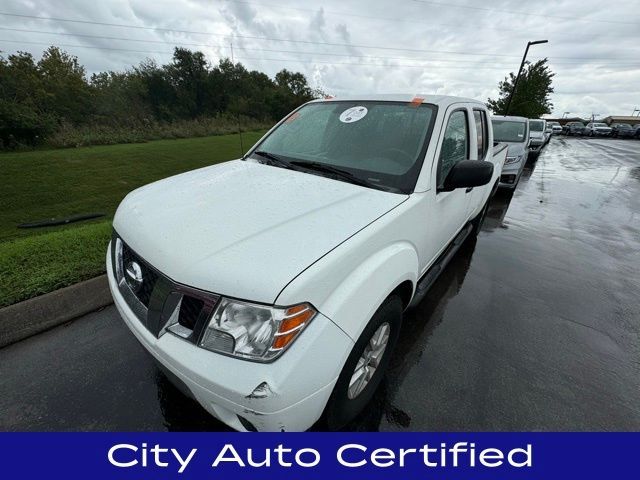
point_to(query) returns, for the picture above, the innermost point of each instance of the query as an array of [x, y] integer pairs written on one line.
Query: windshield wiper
[[318, 167], [276, 159], [338, 172]]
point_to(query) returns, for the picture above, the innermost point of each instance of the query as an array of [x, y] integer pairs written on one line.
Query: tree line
[[41, 98]]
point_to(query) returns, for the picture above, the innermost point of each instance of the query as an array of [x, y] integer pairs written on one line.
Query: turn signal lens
[[292, 324]]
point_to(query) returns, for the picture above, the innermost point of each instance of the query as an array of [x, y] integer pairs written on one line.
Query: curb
[[38, 314]]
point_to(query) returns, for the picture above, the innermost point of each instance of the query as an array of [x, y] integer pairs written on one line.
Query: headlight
[[512, 160], [254, 332]]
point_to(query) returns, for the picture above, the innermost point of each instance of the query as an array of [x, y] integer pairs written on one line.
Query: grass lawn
[[58, 183]]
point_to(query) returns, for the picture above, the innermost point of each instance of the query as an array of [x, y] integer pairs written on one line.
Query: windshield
[[381, 143], [504, 131], [536, 125], [600, 125]]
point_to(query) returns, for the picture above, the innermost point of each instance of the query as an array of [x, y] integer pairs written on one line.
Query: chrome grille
[[160, 303], [149, 277]]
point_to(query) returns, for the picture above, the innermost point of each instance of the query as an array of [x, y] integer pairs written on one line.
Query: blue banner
[[320, 455]]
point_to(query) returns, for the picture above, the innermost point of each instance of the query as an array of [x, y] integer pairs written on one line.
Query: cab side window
[[480, 119], [455, 145]]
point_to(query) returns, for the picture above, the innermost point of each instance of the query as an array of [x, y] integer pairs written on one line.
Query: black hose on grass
[[51, 222]]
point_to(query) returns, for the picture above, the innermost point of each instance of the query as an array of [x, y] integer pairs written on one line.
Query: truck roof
[[509, 118], [439, 100]]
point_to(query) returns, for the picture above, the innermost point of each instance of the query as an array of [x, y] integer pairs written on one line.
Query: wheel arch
[[354, 301]]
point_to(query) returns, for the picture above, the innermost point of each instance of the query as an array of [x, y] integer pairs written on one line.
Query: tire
[[341, 409]]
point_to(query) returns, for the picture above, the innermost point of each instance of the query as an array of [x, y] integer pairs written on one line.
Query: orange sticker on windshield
[[292, 117], [416, 101]]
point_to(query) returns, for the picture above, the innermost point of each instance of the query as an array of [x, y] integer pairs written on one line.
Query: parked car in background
[[548, 132], [573, 128], [594, 129], [272, 287], [636, 131], [537, 135], [514, 131], [622, 130], [556, 128]]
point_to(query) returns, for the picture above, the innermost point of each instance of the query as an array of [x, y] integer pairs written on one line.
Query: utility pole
[[515, 83], [238, 115]]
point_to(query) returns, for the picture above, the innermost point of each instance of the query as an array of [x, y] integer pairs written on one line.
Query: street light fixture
[[515, 83], [565, 114]]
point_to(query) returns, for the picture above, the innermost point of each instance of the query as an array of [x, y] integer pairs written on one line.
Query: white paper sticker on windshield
[[353, 114]]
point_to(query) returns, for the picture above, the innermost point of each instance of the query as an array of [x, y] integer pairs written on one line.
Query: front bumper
[[511, 173], [299, 382]]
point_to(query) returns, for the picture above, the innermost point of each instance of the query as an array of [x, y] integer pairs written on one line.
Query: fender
[[351, 303]]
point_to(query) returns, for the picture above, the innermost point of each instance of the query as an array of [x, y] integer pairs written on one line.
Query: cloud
[[420, 47]]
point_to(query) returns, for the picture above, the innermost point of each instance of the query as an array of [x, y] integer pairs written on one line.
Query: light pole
[[565, 114], [515, 83]]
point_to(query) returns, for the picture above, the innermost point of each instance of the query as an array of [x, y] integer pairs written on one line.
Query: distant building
[[564, 121], [622, 119]]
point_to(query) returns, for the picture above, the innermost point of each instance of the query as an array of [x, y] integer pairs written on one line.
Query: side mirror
[[468, 174]]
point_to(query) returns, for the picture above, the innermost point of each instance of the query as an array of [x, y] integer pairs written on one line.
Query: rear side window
[[482, 136], [455, 145]]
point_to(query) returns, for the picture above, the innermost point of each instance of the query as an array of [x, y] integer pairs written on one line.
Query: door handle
[[468, 189]]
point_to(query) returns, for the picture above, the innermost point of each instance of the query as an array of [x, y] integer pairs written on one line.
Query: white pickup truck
[[271, 288]]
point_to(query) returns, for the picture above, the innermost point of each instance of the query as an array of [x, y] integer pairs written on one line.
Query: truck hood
[[244, 229], [516, 149], [533, 134]]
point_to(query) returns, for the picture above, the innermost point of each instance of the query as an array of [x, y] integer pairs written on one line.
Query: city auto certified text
[[352, 455]]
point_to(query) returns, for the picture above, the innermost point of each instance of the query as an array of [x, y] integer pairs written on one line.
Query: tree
[[63, 79], [189, 73], [23, 117], [531, 98]]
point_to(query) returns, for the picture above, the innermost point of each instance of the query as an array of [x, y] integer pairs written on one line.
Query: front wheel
[[365, 367]]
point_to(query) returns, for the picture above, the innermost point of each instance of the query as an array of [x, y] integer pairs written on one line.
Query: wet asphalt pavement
[[534, 326]]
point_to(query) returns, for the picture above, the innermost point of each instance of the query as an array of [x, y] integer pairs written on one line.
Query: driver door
[[451, 208]]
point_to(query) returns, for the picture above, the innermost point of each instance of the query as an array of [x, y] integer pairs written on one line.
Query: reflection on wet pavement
[[537, 326], [534, 326]]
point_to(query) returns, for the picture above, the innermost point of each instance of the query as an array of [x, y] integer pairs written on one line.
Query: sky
[[461, 47]]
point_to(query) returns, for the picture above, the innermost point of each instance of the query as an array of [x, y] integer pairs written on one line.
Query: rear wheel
[[365, 367]]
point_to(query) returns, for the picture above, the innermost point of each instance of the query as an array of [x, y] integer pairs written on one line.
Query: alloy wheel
[[369, 361]]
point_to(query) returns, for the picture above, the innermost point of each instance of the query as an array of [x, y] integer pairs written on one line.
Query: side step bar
[[433, 273]]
